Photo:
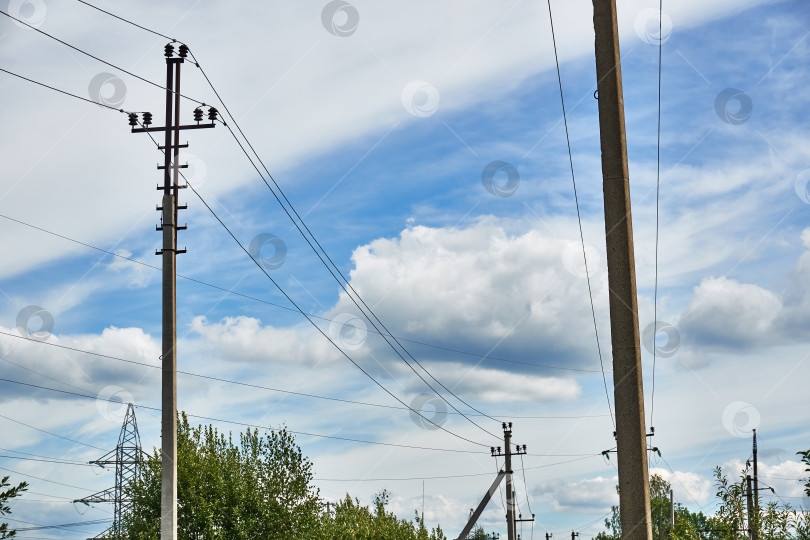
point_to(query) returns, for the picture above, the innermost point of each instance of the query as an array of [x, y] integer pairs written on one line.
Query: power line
[[48, 432], [657, 197], [365, 372], [345, 280], [249, 297], [234, 422], [579, 217], [233, 119], [57, 461], [239, 383], [77, 49], [61, 91], [128, 21], [309, 319], [368, 318]]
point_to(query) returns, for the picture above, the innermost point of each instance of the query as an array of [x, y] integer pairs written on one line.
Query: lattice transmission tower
[[127, 459]]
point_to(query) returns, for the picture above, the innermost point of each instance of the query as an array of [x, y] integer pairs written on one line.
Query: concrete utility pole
[[631, 442], [171, 173], [749, 499]]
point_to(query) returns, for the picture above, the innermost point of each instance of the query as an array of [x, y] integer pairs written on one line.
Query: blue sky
[[380, 139]]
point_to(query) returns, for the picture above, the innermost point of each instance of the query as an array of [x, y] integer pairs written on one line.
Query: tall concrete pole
[[631, 441], [168, 432]]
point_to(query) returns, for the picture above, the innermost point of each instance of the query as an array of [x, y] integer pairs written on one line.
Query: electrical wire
[[129, 22], [233, 120], [77, 49], [62, 91], [230, 381], [293, 310], [51, 433], [525, 484], [56, 461], [309, 319], [579, 217], [225, 421], [449, 476], [657, 198], [340, 283]]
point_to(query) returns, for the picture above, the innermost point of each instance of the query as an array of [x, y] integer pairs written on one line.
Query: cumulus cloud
[[481, 288], [244, 339], [591, 495], [688, 487]]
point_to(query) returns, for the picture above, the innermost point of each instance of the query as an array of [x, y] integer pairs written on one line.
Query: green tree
[[5, 496], [259, 488], [352, 521], [687, 524]]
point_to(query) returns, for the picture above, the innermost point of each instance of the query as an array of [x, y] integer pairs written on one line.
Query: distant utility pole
[[756, 477], [171, 173], [548, 536], [506, 472], [631, 442], [574, 535], [749, 499]]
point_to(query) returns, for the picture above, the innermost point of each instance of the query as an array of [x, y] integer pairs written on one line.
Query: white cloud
[[584, 496], [732, 314]]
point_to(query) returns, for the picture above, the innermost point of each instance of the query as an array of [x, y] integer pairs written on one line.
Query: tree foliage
[[5, 496], [774, 520], [259, 488], [352, 521]]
